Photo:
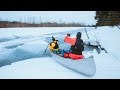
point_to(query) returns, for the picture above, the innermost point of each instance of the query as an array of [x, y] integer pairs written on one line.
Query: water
[[13, 46], [4, 40]]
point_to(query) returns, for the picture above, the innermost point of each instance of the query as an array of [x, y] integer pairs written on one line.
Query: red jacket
[[70, 40]]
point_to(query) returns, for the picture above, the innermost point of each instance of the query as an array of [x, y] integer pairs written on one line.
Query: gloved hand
[[57, 40]]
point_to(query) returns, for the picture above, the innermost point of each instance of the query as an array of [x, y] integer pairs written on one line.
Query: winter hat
[[53, 39], [78, 35], [68, 34]]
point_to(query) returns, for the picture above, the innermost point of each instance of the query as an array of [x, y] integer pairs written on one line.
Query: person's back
[[76, 44], [78, 47]]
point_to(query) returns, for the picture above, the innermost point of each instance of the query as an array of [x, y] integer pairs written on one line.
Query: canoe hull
[[85, 66]]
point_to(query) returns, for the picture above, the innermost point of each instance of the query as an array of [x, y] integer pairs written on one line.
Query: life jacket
[[74, 56], [54, 45]]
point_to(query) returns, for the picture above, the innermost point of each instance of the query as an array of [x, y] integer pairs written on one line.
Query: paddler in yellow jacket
[[54, 47]]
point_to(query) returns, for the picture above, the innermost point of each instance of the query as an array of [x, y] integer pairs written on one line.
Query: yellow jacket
[[53, 47]]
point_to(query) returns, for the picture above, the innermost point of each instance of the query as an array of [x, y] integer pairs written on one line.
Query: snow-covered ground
[[22, 52]]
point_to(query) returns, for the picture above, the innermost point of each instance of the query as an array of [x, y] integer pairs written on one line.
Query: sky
[[25, 49], [86, 17]]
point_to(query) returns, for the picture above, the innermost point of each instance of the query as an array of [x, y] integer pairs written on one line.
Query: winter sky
[[86, 17]]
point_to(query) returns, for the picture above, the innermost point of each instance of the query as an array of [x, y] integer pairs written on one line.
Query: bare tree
[[20, 20], [29, 20], [60, 22], [33, 20], [1, 19], [40, 20]]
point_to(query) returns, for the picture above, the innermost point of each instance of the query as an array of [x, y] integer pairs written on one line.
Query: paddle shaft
[[46, 48]]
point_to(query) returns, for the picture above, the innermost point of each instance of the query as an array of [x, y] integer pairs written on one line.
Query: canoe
[[85, 66]]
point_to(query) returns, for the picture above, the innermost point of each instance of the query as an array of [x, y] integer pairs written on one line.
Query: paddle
[[87, 36], [48, 44]]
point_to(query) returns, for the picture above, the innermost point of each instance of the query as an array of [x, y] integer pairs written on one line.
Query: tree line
[[32, 23]]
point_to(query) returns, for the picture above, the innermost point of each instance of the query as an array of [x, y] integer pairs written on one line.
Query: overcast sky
[[86, 17]]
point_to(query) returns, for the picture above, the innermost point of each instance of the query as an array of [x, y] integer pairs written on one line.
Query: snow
[[112, 43], [107, 66], [43, 68], [33, 31], [22, 53]]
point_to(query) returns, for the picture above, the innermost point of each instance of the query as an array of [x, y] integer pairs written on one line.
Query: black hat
[[53, 39], [68, 34], [78, 35]]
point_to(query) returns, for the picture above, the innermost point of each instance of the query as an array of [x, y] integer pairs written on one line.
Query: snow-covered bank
[[108, 38], [34, 31], [107, 67]]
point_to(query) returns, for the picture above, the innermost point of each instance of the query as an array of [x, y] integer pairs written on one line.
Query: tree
[[107, 18]]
